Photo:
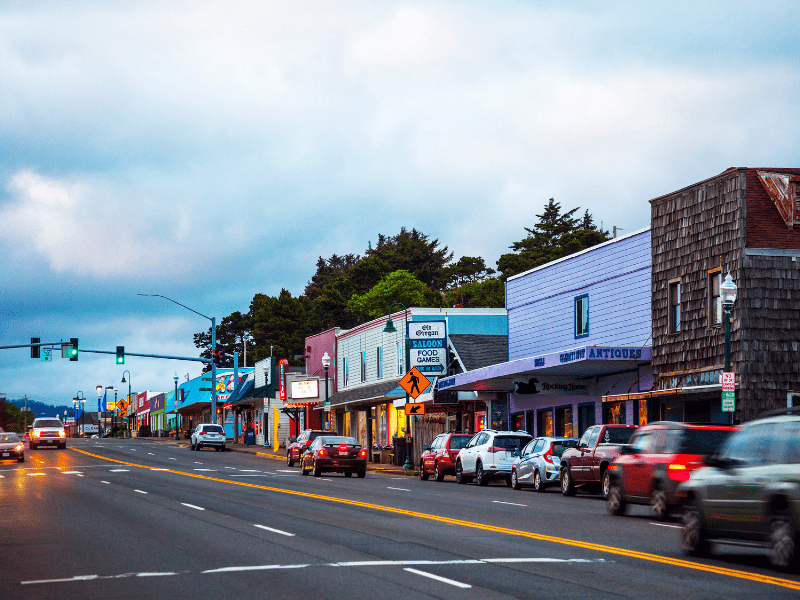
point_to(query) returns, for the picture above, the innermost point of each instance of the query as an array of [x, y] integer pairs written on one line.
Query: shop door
[[545, 423], [585, 418], [530, 421]]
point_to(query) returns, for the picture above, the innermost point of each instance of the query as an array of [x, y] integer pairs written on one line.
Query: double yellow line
[[675, 562]]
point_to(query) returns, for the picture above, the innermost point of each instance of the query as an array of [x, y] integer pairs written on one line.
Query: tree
[[490, 293], [230, 335], [400, 286], [280, 326], [468, 269]]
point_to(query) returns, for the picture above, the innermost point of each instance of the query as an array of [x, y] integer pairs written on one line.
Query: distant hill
[[40, 409]]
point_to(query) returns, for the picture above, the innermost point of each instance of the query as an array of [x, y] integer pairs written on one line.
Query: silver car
[[48, 431], [209, 434], [539, 463], [488, 455], [11, 447]]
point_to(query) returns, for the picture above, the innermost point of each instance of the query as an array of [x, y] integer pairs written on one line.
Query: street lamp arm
[[178, 303]]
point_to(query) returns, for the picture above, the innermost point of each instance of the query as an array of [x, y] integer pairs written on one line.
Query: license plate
[[343, 453], [6, 454]]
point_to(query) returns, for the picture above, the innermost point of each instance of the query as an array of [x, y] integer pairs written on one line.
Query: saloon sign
[[427, 346]]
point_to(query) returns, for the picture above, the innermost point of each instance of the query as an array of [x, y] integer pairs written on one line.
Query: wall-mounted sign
[[427, 346], [548, 386], [307, 388], [282, 364]]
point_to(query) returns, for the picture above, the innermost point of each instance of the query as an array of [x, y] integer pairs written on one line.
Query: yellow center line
[[676, 562]]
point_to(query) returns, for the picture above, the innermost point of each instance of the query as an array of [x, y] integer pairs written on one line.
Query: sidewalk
[[268, 453]]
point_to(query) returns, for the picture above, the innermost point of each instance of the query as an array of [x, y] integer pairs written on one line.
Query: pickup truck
[[586, 465]]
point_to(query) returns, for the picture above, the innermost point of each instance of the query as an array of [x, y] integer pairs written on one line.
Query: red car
[[299, 445], [334, 453], [439, 459], [658, 457]]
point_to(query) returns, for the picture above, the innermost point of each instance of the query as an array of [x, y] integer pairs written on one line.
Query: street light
[[213, 351], [408, 465], [177, 433], [727, 292], [99, 408], [326, 363], [129, 393]]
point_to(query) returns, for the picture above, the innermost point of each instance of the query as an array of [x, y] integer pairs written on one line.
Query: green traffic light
[[120, 355]]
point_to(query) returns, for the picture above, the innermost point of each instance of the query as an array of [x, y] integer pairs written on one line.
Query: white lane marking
[[250, 471], [509, 503], [273, 530], [398, 477], [258, 568], [78, 473], [154, 574], [119, 470], [665, 525], [193, 506], [287, 471], [172, 458], [236, 475], [139, 492], [543, 560], [439, 578], [94, 577], [159, 469], [199, 463], [205, 469], [105, 482], [35, 474], [399, 489], [133, 449], [234, 468], [151, 454], [324, 479]]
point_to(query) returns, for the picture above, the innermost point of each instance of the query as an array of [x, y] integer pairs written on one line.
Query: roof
[[476, 351], [366, 393]]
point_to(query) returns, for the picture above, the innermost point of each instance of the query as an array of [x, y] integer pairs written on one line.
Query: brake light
[[682, 471], [494, 449], [321, 452], [342, 448], [548, 456], [362, 453], [308, 442]]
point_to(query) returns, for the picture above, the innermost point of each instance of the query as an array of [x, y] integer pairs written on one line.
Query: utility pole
[[26, 414]]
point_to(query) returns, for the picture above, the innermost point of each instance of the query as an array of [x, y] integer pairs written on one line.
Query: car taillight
[[362, 453], [321, 452], [308, 442], [548, 456], [682, 471], [342, 448], [496, 449]]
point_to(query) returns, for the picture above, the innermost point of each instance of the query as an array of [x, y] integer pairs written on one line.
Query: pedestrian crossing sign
[[414, 382]]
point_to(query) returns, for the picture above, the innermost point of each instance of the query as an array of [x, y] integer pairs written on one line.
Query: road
[[140, 519]]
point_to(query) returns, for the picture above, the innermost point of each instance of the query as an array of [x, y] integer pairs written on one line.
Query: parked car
[[587, 464], [47, 431], [658, 457], [440, 458], [335, 453], [208, 434], [11, 447], [490, 454], [749, 492], [299, 444], [539, 464]]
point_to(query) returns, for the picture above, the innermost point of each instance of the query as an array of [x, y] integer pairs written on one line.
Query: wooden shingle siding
[[616, 276]]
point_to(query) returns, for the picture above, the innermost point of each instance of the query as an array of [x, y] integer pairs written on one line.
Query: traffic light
[[120, 355], [35, 351], [73, 352]]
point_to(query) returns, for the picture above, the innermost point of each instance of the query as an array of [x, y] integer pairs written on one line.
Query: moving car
[[47, 431], [540, 463], [209, 434], [335, 453], [440, 458], [11, 447], [490, 454], [659, 457], [297, 446], [749, 492]]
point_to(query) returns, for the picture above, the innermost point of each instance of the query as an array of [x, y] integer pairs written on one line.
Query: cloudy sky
[[209, 151]]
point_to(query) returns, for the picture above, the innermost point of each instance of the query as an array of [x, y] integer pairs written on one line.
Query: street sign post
[[728, 392], [414, 383], [415, 409], [427, 346]]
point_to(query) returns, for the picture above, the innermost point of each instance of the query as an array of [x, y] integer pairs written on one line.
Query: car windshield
[[315, 434], [561, 445], [509, 442], [212, 429], [618, 435], [339, 440], [458, 441], [48, 423], [8, 437], [702, 441]]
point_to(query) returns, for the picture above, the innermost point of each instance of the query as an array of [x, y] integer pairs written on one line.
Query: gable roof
[[477, 350]]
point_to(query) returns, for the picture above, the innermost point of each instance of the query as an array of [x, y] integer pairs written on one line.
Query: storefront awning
[[578, 363], [684, 391]]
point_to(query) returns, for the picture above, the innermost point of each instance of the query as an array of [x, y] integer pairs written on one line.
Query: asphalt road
[[140, 519]]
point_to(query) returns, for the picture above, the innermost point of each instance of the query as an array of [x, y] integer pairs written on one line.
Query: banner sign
[[427, 346], [307, 388]]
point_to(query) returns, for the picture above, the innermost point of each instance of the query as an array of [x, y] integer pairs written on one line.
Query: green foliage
[[400, 286], [555, 235], [490, 293], [468, 269], [12, 418]]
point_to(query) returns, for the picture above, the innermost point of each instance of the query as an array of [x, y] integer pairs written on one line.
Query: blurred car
[[298, 445], [11, 447], [47, 431], [335, 453], [749, 492], [208, 434], [490, 454], [440, 458], [658, 457], [539, 463]]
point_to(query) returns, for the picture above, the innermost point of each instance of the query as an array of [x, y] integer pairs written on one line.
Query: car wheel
[[422, 474], [348, 474], [614, 501], [222, 448], [567, 486], [198, 445], [289, 461], [317, 470], [63, 446], [658, 505], [436, 473], [538, 485], [303, 470], [21, 458], [515, 480], [693, 535], [606, 484], [361, 474], [460, 477], [480, 475], [782, 542]]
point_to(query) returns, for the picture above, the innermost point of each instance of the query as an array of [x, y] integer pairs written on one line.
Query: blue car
[[539, 463]]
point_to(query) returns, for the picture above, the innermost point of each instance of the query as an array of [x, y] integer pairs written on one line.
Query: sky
[[207, 152]]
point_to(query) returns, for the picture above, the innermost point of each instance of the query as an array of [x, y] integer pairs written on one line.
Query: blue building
[[579, 331]]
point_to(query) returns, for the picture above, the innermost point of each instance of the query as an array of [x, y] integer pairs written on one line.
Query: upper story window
[[714, 299], [582, 316], [363, 367], [379, 363], [345, 371], [675, 307]]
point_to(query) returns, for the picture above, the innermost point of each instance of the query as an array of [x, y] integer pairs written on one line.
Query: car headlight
[[34, 434], [62, 433], [19, 448]]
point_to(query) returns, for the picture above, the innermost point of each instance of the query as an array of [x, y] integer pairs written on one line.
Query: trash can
[[249, 436], [399, 444]]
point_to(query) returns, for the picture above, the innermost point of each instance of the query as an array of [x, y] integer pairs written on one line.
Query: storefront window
[[545, 423], [563, 424], [643, 411], [614, 413], [518, 422], [480, 420]]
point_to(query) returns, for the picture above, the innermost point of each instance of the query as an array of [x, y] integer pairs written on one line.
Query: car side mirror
[[627, 449], [719, 462]]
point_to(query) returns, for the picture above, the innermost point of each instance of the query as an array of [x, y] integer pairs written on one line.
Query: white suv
[[490, 454], [47, 431], [208, 434]]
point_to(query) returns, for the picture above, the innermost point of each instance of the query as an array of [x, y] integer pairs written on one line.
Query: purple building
[[579, 331]]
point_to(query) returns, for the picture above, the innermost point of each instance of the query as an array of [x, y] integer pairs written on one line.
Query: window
[[675, 307], [379, 363], [714, 299], [582, 316], [363, 367], [346, 371], [399, 360]]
